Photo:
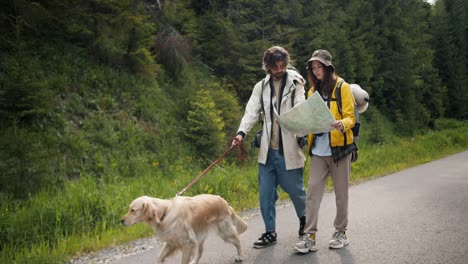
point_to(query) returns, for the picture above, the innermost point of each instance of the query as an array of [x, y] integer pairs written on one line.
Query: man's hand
[[236, 140]]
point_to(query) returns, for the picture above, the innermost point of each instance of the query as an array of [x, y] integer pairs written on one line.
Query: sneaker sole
[[262, 246], [338, 246], [305, 250]]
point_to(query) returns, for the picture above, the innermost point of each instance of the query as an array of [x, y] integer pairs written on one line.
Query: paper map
[[311, 116]]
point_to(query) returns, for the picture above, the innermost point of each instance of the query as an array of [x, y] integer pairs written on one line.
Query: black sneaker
[[267, 239], [301, 225]]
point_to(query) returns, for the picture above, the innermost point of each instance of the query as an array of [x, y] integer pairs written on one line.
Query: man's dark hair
[[272, 56]]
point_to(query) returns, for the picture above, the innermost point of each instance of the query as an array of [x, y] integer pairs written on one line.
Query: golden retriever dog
[[183, 223]]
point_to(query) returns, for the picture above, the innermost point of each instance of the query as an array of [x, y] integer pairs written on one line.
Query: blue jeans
[[272, 174]]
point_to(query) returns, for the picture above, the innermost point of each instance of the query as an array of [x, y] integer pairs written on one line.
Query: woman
[[330, 152]]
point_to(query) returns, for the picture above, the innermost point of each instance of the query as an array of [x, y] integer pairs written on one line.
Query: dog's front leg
[[166, 251], [199, 252], [195, 246], [187, 253]]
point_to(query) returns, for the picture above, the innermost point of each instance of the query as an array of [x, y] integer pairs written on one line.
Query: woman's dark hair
[[272, 55], [325, 86]]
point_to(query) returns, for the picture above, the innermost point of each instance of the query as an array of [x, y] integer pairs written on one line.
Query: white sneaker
[[306, 245], [339, 240]]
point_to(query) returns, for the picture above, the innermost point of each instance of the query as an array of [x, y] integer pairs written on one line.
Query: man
[[281, 159]]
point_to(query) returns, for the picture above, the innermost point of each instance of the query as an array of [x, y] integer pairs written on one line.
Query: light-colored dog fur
[[184, 222]]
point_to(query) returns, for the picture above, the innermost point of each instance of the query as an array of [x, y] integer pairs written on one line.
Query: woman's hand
[[338, 125]]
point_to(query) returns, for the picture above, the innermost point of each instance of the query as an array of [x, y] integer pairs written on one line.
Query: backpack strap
[[262, 110], [338, 97], [295, 78], [339, 104]]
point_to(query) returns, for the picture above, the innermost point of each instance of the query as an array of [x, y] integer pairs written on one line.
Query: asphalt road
[[419, 215]]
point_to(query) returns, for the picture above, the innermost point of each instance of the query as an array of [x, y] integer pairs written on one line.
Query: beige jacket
[[294, 156]]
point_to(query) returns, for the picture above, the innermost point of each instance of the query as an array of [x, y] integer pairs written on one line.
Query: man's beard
[[278, 76]]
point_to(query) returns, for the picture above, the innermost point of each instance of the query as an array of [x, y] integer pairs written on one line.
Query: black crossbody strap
[[262, 109], [293, 94]]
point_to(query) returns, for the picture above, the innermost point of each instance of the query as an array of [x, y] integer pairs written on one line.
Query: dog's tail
[[238, 222]]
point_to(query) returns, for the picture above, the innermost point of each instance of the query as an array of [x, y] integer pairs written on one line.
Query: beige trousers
[[320, 169]]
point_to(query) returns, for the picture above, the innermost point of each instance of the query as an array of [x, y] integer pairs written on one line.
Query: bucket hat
[[323, 56], [361, 97]]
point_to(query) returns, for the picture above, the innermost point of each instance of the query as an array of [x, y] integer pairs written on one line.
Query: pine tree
[[397, 82], [450, 44], [204, 126]]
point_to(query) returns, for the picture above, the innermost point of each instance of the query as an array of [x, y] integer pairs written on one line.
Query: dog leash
[[239, 145]]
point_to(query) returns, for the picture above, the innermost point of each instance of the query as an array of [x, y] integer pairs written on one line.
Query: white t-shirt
[[322, 145]]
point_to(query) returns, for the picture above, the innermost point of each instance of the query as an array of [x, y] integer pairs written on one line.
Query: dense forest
[[120, 88]]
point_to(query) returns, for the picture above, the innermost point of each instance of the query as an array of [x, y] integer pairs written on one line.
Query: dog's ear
[[160, 213], [150, 213]]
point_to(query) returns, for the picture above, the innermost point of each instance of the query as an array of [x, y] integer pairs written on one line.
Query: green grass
[[54, 225], [378, 160]]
